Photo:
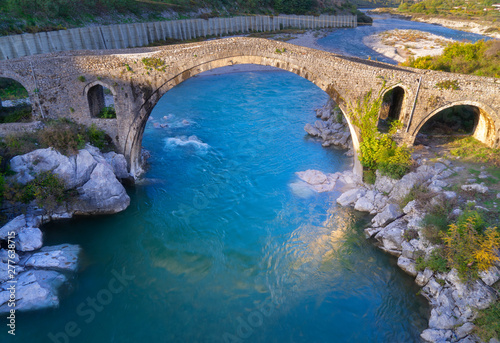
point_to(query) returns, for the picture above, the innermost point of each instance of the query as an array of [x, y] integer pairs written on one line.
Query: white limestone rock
[[390, 213], [366, 202], [29, 239], [15, 225], [384, 184], [351, 196], [35, 162], [62, 257], [391, 237], [407, 182], [464, 330], [437, 336], [119, 164], [102, 194], [35, 290], [480, 188], [407, 265], [312, 130], [423, 277], [490, 276]]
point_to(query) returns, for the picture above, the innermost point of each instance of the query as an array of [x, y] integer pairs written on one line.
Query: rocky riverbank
[[474, 26], [397, 228], [39, 272]]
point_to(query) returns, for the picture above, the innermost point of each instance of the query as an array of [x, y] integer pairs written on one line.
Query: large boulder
[[15, 225], [102, 194], [391, 237], [407, 182], [28, 165], [35, 290], [351, 196], [29, 239], [62, 257], [118, 163]]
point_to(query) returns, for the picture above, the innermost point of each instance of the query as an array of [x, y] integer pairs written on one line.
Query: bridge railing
[[141, 34]]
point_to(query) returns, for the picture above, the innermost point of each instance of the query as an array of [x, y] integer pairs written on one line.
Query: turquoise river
[[219, 245]]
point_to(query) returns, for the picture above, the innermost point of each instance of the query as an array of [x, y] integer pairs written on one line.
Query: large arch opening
[[101, 101], [458, 120], [15, 104], [133, 140], [392, 108]]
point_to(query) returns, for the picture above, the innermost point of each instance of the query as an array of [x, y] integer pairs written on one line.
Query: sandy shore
[[401, 44], [482, 28]]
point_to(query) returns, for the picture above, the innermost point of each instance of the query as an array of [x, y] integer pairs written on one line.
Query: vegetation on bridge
[[378, 150], [481, 58]]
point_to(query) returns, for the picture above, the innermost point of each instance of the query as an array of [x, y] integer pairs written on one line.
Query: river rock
[[407, 265], [464, 330], [313, 177], [15, 225], [119, 164], [366, 202], [391, 237], [62, 257], [407, 182], [436, 336], [4, 270], [390, 213], [490, 276], [312, 130], [441, 320], [351, 196], [423, 277], [480, 188], [35, 162], [35, 290], [384, 184], [102, 194], [29, 239]]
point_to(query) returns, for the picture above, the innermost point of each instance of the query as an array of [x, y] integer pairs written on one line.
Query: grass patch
[[488, 322], [11, 90], [471, 150], [436, 262]]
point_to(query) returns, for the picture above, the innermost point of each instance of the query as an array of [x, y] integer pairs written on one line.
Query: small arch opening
[[391, 109], [15, 104], [101, 102]]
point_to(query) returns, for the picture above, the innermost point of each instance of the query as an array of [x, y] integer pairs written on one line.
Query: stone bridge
[[70, 84]]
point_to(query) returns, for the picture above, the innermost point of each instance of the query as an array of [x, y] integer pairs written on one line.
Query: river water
[[220, 244]]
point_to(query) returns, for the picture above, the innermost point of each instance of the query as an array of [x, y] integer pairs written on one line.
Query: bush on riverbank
[[378, 150], [17, 114], [63, 135], [481, 58], [46, 189]]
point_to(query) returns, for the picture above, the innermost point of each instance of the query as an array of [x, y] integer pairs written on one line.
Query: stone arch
[[94, 93], [394, 99], [19, 111], [133, 140], [484, 130]]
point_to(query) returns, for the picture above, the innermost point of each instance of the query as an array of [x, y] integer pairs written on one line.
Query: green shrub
[[469, 251], [107, 113], [46, 189], [18, 114], [377, 150], [81, 78], [488, 322]]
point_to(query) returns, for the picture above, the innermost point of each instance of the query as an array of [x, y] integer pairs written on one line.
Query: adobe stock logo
[[88, 308], [246, 326]]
